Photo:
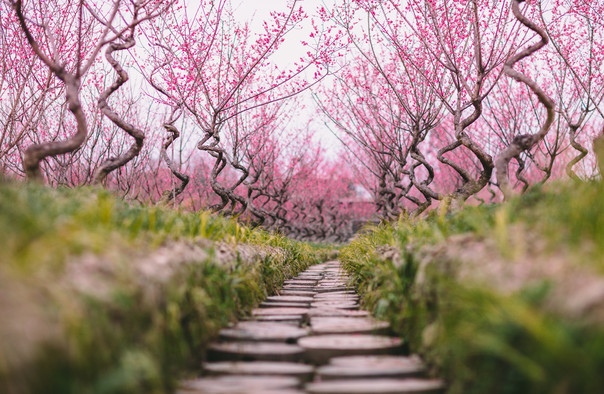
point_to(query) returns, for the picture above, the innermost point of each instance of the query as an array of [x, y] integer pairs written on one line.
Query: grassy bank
[[499, 299], [101, 296]]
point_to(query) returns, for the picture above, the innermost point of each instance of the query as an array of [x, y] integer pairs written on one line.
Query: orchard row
[[433, 101]]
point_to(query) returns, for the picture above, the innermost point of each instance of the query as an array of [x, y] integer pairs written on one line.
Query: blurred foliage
[[142, 336], [478, 339], [42, 225]]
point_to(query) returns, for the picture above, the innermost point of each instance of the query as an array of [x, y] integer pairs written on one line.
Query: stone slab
[[335, 304], [280, 311], [377, 386], [333, 312], [262, 331], [319, 349], [271, 304], [239, 384], [347, 325], [285, 319], [303, 372], [303, 293], [254, 351], [289, 298], [362, 367]]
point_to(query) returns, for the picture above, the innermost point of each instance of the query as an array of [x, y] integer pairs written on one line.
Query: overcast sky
[[259, 10]]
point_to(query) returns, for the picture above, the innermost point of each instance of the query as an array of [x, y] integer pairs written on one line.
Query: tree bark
[[114, 163], [170, 195], [34, 154], [572, 133], [526, 141]]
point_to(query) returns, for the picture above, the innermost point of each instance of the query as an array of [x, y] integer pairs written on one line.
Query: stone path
[[311, 338]]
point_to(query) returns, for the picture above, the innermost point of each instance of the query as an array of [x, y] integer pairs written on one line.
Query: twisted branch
[[526, 141], [572, 133], [114, 163], [173, 134]]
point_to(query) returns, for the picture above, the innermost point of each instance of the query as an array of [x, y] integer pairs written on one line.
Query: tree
[[577, 43], [218, 70], [382, 126], [66, 38], [524, 142], [437, 55]]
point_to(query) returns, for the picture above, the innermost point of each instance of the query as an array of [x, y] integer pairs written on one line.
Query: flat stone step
[[289, 298], [299, 288], [335, 304], [372, 360], [343, 293], [336, 294], [372, 367], [337, 299], [319, 349], [304, 372], [241, 390], [304, 293], [320, 289], [300, 282], [347, 325], [271, 304], [261, 331], [239, 384], [280, 311], [325, 301], [285, 319], [377, 386], [333, 312], [255, 351]]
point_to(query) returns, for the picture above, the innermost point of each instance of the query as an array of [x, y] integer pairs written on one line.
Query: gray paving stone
[[347, 325], [239, 384], [255, 351], [262, 331], [272, 304], [362, 367], [304, 372], [289, 298], [377, 386], [319, 349]]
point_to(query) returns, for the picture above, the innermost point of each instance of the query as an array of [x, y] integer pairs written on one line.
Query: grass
[[480, 338], [59, 222], [125, 332]]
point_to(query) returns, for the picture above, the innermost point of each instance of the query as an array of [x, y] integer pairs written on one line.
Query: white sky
[[291, 50]]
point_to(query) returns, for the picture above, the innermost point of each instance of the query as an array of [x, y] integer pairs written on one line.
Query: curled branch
[[114, 163], [578, 147], [173, 134], [526, 141]]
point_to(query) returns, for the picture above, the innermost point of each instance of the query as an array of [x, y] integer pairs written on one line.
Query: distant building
[[360, 208]]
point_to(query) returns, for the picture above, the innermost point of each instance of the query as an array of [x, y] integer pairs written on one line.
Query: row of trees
[[432, 100], [73, 116], [468, 98]]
